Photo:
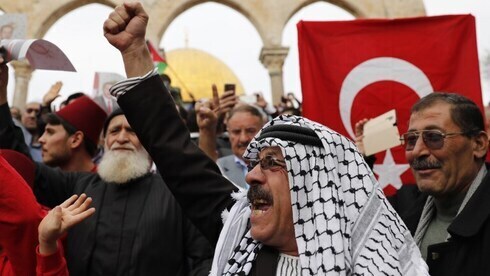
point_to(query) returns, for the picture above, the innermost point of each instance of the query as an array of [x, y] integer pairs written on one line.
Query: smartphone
[[230, 87]]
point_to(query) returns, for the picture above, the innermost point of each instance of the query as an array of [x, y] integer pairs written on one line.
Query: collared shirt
[[429, 210], [474, 185], [240, 163]]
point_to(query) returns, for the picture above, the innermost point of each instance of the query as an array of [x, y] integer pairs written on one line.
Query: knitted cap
[[84, 115], [21, 163], [116, 112]]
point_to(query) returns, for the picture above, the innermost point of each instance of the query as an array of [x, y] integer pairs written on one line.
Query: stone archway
[[268, 17]]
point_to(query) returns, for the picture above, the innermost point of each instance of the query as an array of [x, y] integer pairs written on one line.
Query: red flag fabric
[[158, 60], [358, 69]]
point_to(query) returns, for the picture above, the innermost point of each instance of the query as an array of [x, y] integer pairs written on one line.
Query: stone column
[[273, 59], [23, 73]]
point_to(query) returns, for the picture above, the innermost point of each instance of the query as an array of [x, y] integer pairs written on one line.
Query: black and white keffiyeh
[[343, 223]]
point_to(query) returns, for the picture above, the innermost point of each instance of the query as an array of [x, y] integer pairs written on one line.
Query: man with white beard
[[138, 227], [124, 159]]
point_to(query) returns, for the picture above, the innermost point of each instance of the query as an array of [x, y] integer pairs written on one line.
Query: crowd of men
[[129, 192]]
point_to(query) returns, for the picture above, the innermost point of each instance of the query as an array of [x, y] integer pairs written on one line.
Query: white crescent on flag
[[371, 71], [379, 69]]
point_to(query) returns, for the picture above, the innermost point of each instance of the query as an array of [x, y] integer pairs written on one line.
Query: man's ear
[[480, 145], [76, 139]]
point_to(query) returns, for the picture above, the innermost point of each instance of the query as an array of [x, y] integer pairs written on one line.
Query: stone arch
[[157, 30], [345, 5], [269, 18], [324, 10], [62, 10]]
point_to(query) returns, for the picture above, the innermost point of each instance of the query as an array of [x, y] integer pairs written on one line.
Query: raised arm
[[194, 179], [125, 29], [11, 136], [4, 80], [50, 260], [207, 121], [359, 128]]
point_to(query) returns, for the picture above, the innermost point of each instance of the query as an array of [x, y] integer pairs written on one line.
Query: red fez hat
[[84, 115], [21, 163]]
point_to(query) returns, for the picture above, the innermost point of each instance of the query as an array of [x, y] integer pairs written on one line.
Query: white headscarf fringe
[[342, 220]]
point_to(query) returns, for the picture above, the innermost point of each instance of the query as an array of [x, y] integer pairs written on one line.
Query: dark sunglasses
[[433, 138], [267, 163]]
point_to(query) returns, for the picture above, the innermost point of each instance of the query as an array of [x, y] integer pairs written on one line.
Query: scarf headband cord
[[297, 134]]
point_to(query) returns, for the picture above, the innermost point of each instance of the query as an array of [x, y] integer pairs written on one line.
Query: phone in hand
[[230, 87]]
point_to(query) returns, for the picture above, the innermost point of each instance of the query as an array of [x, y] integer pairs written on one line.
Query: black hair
[[55, 120], [464, 112]]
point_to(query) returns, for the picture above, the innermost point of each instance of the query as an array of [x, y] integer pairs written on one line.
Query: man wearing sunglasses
[[313, 207], [446, 146]]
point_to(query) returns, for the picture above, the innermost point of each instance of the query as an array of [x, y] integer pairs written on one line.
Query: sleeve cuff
[[53, 262], [121, 87]]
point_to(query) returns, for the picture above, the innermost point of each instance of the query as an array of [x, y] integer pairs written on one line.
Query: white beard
[[120, 167]]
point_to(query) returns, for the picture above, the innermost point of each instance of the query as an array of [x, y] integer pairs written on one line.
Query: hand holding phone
[[229, 87], [228, 99]]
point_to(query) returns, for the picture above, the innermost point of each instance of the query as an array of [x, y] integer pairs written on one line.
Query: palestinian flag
[[158, 60]]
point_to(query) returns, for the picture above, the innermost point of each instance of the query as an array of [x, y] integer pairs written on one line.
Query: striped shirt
[[121, 87], [288, 265]]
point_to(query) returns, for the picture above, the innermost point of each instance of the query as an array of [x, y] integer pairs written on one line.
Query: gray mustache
[[425, 164]]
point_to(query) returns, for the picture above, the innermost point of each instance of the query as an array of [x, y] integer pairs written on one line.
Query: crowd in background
[[143, 185]]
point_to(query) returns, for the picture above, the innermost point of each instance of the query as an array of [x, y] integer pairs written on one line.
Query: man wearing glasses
[[446, 145], [30, 129], [313, 207]]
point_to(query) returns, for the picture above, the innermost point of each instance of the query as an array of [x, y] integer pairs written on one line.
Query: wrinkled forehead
[[32, 105], [437, 115], [274, 151], [118, 120]]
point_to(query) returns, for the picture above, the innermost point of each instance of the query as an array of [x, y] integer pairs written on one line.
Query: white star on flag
[[389, 172]]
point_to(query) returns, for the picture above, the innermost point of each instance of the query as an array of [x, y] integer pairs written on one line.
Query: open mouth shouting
[[260, 200], [259, 206]]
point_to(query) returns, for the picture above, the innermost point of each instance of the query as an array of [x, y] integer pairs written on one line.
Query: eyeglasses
[[433, 138], [267, 163]]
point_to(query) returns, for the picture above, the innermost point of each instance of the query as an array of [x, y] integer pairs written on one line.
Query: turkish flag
[[358, 69]]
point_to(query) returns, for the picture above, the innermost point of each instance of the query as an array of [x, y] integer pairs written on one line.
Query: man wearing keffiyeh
[[332, 214], [314, 207]]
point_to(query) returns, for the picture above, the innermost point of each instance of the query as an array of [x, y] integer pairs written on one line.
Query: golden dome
[[195, 71]]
